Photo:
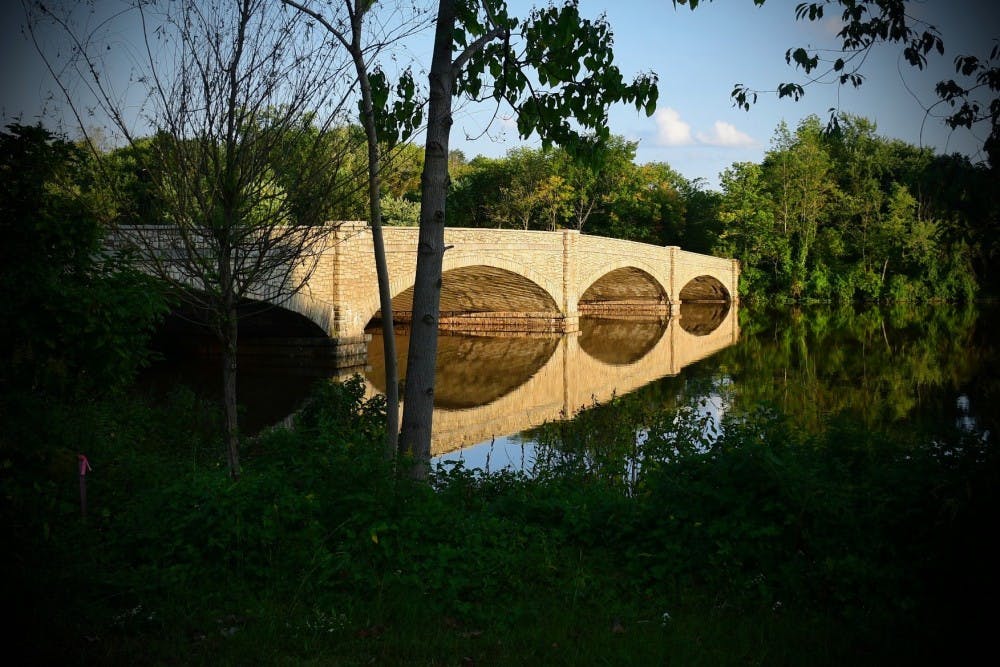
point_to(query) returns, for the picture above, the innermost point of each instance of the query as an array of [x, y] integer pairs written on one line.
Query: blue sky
[[698, 56]]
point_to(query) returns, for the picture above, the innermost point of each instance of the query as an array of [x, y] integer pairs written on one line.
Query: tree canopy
[[73, 321], [852, 215]]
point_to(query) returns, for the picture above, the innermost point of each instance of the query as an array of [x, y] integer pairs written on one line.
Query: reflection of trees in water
[[471, 371], [925, 367], [883, 365], [620, 342], [701, 319], [281, 355]]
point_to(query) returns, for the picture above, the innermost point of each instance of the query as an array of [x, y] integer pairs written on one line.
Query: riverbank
[[764, 546]]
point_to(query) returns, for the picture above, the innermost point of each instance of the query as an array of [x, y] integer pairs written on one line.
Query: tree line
[[834, 216], [849, 215], [841, 216]]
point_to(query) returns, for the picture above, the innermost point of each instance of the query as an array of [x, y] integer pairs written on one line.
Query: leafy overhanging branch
[[868, 23]]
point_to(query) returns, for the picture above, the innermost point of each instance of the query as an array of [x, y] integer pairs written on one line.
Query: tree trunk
[[229, 330], [582, 217], [385, 303], [418, 403], [357, 12], [381, 267]]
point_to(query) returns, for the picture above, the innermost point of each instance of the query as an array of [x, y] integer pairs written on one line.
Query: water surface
[[931, 365]]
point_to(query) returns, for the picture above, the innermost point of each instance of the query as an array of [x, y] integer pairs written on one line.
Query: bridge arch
[[625, 283], [487, 287], [704, 288], [634, 269], [477, 285], [398, 285], [258, 317], [187, 328], [545, 275]]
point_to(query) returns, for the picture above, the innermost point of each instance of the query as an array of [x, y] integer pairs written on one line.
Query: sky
[[698, 56]]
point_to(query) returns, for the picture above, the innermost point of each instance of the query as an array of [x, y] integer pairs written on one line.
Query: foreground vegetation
[[761, 546]]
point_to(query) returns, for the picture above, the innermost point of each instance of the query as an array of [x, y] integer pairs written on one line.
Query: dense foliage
[[73, 320], [847, 545], [550, 190], [851, 215], [131, 174]]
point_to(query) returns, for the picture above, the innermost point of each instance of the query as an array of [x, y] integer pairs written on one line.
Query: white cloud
[[725, 134], [670, 129]]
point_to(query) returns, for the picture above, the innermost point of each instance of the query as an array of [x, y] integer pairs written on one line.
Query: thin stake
[[84, 469]]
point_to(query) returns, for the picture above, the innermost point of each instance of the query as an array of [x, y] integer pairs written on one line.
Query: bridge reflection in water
[[489, 386]]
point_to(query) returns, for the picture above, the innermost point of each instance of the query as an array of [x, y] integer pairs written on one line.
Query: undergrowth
[[745, 544]]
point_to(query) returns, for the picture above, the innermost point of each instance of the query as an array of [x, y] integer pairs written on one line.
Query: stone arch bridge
[[510, 280], [498, 280]]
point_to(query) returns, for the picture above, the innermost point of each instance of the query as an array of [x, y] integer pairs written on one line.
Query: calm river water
[[937, 366]]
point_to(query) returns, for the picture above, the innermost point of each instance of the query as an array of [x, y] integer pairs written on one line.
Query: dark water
[[936, 366]]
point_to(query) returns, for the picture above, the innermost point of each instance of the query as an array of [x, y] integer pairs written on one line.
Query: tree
[[475, 192], [747, 214], [525, 172], [701, 215], [538, 188], [850, 214], [227, 85], [799, 169], [341, 147], [644, 205], [516, 191], [382, 124], [539, 76], [401, 171], [973, 99], [555, 201], [73, 321], [862, 165], [593, 182]]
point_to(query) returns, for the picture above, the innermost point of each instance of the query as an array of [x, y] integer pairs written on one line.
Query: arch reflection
[[497, 386], [701, 319], [618, 342], [471, 371], [281, 354]]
